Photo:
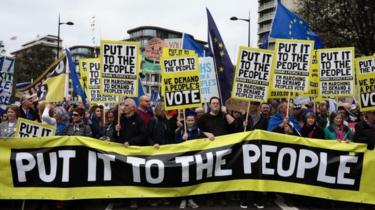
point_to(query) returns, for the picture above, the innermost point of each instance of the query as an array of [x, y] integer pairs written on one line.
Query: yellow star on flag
[[221, 69]]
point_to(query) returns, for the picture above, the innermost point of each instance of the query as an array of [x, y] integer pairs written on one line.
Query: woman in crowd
[[192, 132], [8, 128], [77, 127], [310, 128], [337, 130], [96, 121], [160, 131]]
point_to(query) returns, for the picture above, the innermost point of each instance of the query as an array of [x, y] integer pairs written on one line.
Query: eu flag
[[224, 66], [288, 25], [74, 77], [264, 41]]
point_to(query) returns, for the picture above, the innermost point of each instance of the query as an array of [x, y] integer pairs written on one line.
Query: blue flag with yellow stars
[[224, 66], [288, 25]]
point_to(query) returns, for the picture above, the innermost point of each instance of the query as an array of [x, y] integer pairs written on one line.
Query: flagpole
[[247, 115], [217, 77]]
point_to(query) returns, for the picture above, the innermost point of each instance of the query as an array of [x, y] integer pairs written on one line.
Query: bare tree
[[342, 23]]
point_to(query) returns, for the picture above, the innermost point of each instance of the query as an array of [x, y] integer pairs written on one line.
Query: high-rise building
[[46, 41], [266, 13]]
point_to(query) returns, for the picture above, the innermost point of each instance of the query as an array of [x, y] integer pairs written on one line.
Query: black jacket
[[33, 114], [217, 125], [160, 132], [132, 130], [364, 134], [318, 132], [262, 124]]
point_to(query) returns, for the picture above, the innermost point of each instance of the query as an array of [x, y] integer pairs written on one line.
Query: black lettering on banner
[[254, 159]]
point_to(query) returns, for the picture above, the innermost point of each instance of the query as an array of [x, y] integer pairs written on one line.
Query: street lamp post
[[58, 34], [247, 20]]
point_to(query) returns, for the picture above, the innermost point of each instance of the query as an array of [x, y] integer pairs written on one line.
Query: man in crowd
[[217, 122], [27, 110], [281, 123], [144, 109], [131, 131]]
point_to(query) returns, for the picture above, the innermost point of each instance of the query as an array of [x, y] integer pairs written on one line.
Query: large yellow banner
[[68, 168]]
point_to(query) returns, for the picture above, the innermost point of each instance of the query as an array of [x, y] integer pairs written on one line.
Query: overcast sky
[[29, 18]]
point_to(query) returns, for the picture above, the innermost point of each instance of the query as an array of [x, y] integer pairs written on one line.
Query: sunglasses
[[75, 115]]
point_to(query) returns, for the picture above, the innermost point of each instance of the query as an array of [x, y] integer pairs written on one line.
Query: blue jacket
[[194, 133], [278, 118]]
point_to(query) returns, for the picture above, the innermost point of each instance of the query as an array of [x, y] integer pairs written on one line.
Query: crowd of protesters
[[144, 125]]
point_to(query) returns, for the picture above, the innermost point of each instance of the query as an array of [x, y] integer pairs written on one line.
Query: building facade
[[152, 40], [266, 13], [50, 41]]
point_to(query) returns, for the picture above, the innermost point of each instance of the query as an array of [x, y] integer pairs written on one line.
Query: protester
[[144, 109], [161, 133], [131, 131], [281, 123], [8, 128], [256, 120], [337, 130], [322, 117], [265, 110], [46, 111], [96, 121], [27, 110], [109, 129], [78, 127], [192, 132], [365, 130], [310, 128], [199, 112], [217, 122], [61, 118]]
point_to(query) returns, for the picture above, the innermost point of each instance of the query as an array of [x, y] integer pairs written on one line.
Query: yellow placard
[[336, 72], [180, 79], [253, 74], [27, 129], [93, 82], [83, 71], [291, 65], [313, 78], [366, 82], [119, 68]]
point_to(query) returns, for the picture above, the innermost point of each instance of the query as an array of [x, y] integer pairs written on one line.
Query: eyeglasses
[[75, 115]]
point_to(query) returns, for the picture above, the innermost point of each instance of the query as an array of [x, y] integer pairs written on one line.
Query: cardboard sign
[[6, 80], [208, 78], [252, 75], [181, 83], [28, 129], [119, 69], [336, 72], [366, 82], [291, 66], [93, 80]]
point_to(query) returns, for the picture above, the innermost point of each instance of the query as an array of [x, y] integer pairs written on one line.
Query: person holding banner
[[96, 121], [217, 122], [337, 130], [365, 130], [192, 132], [310, 128], [131, 129], [256, 120], [160, 132], [109, 128], [8, 128], [77, 127], [284, 123]]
